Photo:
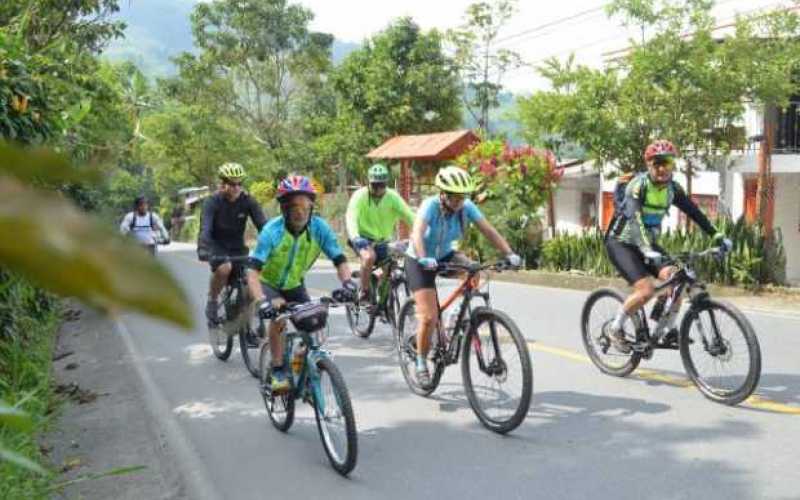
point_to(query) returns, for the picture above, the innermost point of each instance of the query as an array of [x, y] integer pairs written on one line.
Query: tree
[[256, 59], [481, 63], [399, 82], [689, 89]]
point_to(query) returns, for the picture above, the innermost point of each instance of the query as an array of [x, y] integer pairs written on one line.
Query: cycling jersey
[[443, 229], [284, 258], [224, 222], [375, 219], [644, 208]]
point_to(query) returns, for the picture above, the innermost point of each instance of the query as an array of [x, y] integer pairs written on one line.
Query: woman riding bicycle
[[440, 221]]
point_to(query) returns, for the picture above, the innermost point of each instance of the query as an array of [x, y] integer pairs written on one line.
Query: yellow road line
[[755, 401]]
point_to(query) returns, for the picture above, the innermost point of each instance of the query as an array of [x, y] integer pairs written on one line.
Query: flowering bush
[[514, 185]]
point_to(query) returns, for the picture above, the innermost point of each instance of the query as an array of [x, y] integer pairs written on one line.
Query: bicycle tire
[[286, 401], [248, 352], [354, 310], [404, 350], [343, 465], [633, 359], [221, 343], [479, 316], [727, 397]]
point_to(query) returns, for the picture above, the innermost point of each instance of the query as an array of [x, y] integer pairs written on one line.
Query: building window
[[588, 210]]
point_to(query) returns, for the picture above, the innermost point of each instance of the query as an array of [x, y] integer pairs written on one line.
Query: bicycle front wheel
[[497, 373], [361, 315], [335, 420], [720, 352]]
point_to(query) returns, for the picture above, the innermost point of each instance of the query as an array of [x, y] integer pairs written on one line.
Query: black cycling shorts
[[298, 295], [630, 261], [381, 250], [218, 250], [419, 278]]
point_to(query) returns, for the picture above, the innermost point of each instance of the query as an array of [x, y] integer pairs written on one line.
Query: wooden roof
[[425, 147]]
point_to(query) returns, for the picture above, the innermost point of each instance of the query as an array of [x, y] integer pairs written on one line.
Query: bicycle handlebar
[[475, 267]]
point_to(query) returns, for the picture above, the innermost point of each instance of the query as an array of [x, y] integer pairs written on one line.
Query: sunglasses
[[454, 197], [664, 161], [232, 183], [378, 185]]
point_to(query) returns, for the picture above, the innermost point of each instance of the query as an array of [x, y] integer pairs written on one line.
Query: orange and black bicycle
[[495, 363]]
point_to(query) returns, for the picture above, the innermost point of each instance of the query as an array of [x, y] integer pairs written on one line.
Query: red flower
[[488, 169]]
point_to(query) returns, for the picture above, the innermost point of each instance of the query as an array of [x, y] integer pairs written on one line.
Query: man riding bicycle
[[440, 221], [145, 226], [632, 237], [222, 231], [287, 247], [372, 215]]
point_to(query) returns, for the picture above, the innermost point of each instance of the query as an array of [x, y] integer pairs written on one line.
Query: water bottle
[[298, 355]]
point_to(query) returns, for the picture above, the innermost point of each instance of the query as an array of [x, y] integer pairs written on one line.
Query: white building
[[584, 198]]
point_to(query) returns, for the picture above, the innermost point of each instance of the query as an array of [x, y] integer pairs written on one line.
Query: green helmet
[[452, 179], [378, 173], [231, 171]]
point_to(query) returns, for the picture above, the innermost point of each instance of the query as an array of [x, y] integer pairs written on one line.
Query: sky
[[589, 33]]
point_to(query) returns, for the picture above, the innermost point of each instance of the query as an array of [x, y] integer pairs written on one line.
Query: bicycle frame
[[450, 349], [309, 373]]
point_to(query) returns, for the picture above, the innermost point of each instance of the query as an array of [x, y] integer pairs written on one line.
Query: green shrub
[[748, 265]]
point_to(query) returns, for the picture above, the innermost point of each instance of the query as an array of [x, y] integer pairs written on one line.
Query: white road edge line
[[190, 466]]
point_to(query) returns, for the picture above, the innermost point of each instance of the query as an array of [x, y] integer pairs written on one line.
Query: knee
[[224, 270], [427, 320], [645, 289], [368, 258]]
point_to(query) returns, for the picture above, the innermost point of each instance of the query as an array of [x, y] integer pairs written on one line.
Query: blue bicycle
[[314, 379]]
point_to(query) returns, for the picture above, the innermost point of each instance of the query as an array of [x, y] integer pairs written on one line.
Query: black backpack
[[133, 222], [614, 225]]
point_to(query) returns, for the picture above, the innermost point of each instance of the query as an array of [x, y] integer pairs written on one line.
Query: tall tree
[[681, 83], [256, 59], [481, 61], [399, 82]]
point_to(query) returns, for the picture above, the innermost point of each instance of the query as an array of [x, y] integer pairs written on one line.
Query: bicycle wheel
[[720, 352], [221, 342], [598, 312], [280, 407], [407, 351], [250, 334], [397, 297], [360, 316], [335, 421], [500, 392]]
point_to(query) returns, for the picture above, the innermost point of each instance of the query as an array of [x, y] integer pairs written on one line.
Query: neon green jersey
[[376, 219]]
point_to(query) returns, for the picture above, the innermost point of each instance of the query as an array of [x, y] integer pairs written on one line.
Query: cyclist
[[287, 248], [372, 214], [632, 239], [222, 231], [146, 226], [440, 221]]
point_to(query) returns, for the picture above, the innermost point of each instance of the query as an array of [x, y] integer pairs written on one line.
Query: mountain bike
[[234, 316], [314, 379], [714, 336], [495, 363], [388, 289]]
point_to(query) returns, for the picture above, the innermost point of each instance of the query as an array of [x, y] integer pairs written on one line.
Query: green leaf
[[38, 164], [14, 417], [16, 458], [61, 249]]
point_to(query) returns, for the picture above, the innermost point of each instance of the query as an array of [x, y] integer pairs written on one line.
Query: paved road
[[587, 436]]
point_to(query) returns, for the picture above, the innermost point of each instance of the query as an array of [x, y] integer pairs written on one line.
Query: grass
[[27, 340]]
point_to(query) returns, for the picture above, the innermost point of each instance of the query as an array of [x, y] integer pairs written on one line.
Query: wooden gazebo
[[424, 148]]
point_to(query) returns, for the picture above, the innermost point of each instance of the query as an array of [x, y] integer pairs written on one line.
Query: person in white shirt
[[146, 227]]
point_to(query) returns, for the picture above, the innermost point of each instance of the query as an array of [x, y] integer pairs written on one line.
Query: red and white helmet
[[660, 148], [295, 184]]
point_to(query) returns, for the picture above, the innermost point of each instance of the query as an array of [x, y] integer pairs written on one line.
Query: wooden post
[[689, 172], [551, 213], [764, 196], [406, 182]]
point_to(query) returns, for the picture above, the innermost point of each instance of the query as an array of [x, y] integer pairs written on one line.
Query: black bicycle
[[388, 289], [314, 379], [714, 338], [235, 317], [495, 363]]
